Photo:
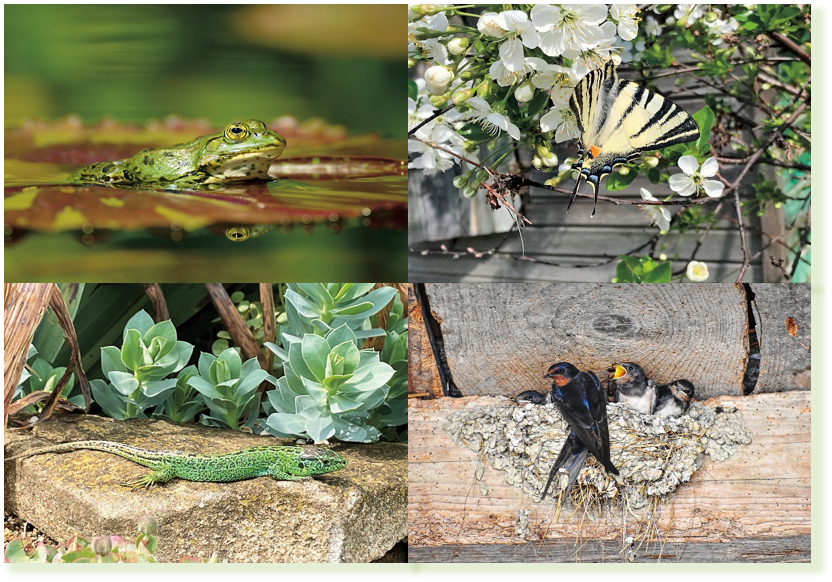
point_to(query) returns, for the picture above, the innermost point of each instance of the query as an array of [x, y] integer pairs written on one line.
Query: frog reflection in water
[[243, 151]]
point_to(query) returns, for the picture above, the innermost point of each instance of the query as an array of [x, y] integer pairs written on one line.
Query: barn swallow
[[632, 387], [674, 398], [533, 396], [582, 402]]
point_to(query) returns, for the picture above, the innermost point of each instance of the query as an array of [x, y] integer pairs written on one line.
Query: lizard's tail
[[126, 451]]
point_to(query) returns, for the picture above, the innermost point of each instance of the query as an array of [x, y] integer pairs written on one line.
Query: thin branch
[[436, 114], [769, 161], [788, 43], [619, 201]]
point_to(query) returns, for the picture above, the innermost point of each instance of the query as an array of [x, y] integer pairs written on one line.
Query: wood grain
[[422, 377], [785, 361], [466, 268], [762, 492], [501, 338], [24, 305]]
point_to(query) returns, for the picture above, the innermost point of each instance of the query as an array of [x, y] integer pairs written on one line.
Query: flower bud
[[651, 161], [411, 63], [458, 46], [524, 93], [462, 180], [469, 191], [439, 101], [711, 17], [102, 545], [484, 88], [463, 95], [147, 525], [437, 80], [537, 162], [662, 257], [624, 170], [499, 108], [424, 9]]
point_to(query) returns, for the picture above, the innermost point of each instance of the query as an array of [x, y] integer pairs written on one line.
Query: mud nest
[[653, 454]]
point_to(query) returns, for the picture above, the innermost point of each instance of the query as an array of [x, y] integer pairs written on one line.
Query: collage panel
[[610, 143], [200, 143], [232, 423], [610, 423]]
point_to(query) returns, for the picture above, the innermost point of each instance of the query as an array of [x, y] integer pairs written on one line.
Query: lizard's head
[[315, 461]]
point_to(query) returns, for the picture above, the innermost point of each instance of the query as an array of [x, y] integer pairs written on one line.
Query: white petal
[[713, 188], [646, 195], [682, 185], [551, 120], [664, 222], [710, 168], [479, 104], [552, 43], [511, 55], [688, 164], [590, 13], [545, 16]]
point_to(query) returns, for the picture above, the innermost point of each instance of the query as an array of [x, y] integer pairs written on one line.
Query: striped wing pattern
[[618, 120]]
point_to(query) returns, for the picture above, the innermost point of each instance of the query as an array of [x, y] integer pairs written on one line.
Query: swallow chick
[[674, 398], [533, 397], [582, 402], [632, 387]]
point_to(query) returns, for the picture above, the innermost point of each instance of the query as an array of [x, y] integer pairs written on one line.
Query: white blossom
[[572, 27], [697, 271], [660, 215], [508, 25], [692, 180], [490, 121], [562, 121], [437, 80], [627, 17], [651, 26]]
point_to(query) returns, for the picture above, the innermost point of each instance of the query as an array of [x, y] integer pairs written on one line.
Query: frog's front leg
[[103, 173]]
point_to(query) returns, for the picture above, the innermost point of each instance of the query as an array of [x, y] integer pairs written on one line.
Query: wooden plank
[[500, 339], [785, 360], [763, 492], [584, 241], [441, 268], [422, 376], [758, 550]]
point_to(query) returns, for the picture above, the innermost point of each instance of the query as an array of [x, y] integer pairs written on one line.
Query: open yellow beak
[[619, 371]]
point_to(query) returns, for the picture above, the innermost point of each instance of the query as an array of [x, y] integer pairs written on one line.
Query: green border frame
[[817, 568]]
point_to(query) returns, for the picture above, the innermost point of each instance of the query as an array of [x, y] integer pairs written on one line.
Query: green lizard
[[281, 463]]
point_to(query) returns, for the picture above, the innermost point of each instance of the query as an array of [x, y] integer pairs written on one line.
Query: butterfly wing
[[618, 120]]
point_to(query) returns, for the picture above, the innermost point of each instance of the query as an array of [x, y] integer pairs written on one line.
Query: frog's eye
[[237, 132], [237, 233]]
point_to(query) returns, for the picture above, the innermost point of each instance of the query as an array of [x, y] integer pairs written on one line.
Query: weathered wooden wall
[[760, 494], [500, 338]]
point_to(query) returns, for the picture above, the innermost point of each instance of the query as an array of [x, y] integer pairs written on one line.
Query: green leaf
[[308, 407], [204, 387], [412, 89], [320, 429], [132, 350], [105, 396], [15, 553], [351, 355], [124, 382], [618, 181], [704, 118], [379, 298], [163, 330], [141, 321], [159, 387], [279, 352], [661, 273], [350, 291], [315, 350], [233, 361], [370, 377], [315, 389], [204, 364], [317, 291], [304, 306], [286, 424]]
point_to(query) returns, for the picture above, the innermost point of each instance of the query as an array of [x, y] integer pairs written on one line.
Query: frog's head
[[243, 151]]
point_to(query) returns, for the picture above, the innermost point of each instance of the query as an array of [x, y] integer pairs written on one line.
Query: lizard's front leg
[[278, 473]]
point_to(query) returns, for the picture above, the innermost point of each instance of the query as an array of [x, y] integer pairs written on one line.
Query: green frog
[[242, 151]]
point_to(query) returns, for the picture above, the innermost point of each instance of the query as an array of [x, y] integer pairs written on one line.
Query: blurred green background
[[134, 62]]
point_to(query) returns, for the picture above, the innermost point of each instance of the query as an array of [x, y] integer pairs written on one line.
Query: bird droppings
[[653, 454]]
